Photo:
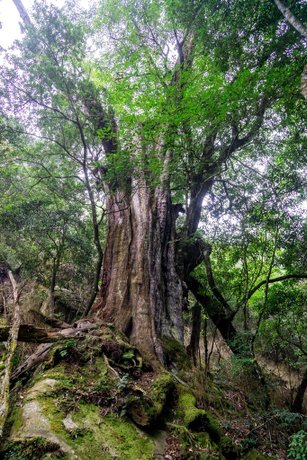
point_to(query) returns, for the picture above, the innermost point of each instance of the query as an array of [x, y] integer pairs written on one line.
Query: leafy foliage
[[297, 447]]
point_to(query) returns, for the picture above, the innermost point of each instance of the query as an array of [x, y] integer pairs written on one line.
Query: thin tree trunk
[[95, 288], [297, 405], [193, 347], [11, 347], [97, 242], [218, 316], [51, 300], [266, 292]]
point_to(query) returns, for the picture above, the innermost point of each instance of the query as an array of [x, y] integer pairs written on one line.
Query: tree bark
[[217, 314], [291, 18], [193, 347], [297, 405], [50, 304], [141, 292], [12, 338], [23, 12], [96, 235], [33, 334]]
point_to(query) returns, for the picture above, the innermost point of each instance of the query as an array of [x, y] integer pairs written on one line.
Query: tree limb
[[238, 142], [291, 19], [23, 12], [216, 313], [216, 292], [275, 280]]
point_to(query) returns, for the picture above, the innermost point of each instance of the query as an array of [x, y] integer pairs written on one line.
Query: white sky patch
[[10, 19]]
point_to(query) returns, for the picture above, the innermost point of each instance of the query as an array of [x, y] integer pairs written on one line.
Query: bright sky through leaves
[[11, 20]]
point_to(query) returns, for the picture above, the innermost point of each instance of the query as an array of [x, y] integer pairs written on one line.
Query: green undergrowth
[[32, 449]]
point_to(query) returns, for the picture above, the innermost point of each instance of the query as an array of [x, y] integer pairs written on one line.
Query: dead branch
[[36, 358], [32, 334]]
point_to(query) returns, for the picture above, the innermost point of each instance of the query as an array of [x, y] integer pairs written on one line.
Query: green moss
[[162, 391], [146, 410], [196, 445], [54, 415], [112, 435], [32, 449], [140, 410], [15, 419], [186, 407], [228, 448], [59, 373], [175, 353], [197, 419], [203, 439]]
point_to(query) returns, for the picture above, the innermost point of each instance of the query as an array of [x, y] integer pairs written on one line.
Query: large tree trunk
[[141, 293]]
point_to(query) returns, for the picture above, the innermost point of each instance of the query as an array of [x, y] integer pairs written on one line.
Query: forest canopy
[[152, 168]]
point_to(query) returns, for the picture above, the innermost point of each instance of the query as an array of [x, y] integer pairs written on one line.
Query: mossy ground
[[96, 401]]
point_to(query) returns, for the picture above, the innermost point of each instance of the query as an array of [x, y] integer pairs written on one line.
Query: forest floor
[[229, 393], [240, 408]]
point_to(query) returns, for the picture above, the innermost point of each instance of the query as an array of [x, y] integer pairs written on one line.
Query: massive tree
[[176, 90], [204, 103]]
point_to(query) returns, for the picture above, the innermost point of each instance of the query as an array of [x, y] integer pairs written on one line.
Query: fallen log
[[33, 334], [36, 358]]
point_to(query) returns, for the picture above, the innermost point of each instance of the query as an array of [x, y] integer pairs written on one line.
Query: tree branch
[[23, 12], [237, 142], [291, 18], [216, 292], [275, 280]]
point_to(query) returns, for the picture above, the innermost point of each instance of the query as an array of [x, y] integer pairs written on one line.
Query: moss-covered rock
[[147, 409], [198, 419], [228, 448], [111, 435], [82, 402], [33, 424], [65, 408], [201, 421], [175, 354]]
